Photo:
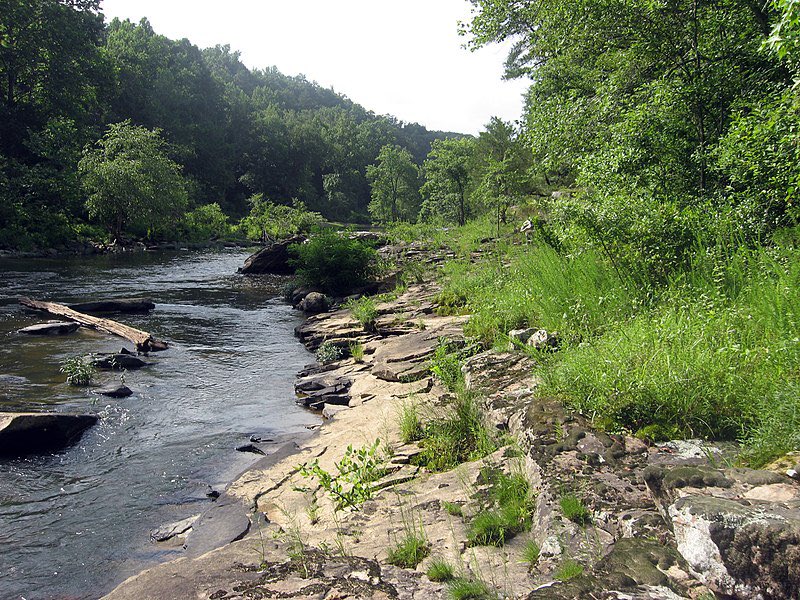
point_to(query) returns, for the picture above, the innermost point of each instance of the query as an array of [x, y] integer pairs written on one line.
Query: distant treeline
[[66, 76]]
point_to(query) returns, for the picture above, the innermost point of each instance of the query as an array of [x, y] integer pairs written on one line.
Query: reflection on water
[[74, 524]]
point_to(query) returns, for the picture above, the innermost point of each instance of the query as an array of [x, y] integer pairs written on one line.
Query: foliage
[[453, 509], [439, 570], [269, 221], [333, 262], [328, 353], [394, 184], [351, 485], [447, 181], [569, 569], [79, 370], [356, 351], [204, 223], [409, 551], [446, 366], [364, 311], [574, 509], [131, 181]]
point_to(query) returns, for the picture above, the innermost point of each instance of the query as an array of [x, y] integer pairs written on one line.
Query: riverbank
[[607, 515]]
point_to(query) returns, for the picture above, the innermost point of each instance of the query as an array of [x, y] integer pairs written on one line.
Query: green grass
[[440, 570], [453, 509], [574, 509], [410, 551], [411, 427], [531, 552], [569, 569], [465, 589], [356, 351], [508, 514], [364, 311]]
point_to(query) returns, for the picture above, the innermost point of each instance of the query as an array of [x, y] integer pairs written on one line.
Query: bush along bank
[[540, 503]]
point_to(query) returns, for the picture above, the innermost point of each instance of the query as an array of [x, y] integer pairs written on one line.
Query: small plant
[[512, 515], [446, 366], [356, 471], [439, 570], [453, 509], [465, 589], [410, 551], [569, 569], [530, 553], [573, 509], [79, 370], [364, 311], [357, 351], [411, 429], [328, 353]]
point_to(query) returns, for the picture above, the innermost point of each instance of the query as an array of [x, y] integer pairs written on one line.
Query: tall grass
[[714, 353]]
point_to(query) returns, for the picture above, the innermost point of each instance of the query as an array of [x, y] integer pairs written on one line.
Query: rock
[[167, 532], [223, 523], [542, 340], [114, 391], [250, 448], [519, 337], [744, 550], [272, 259], [314, 303], [120, 362], [118, 305], [54, 328], [28, 433], [329, 410]]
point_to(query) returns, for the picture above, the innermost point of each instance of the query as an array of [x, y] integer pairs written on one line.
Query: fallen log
[[144, 341]]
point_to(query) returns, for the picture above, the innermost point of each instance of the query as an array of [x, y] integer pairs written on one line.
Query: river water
[[76, 523]]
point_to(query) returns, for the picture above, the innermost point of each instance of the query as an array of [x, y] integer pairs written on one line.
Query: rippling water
[[74, 524]]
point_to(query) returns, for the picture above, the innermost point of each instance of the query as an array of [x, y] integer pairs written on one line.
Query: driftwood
[[144, 341]]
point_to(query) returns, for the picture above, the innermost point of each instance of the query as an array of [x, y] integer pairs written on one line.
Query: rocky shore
[[666, 521]]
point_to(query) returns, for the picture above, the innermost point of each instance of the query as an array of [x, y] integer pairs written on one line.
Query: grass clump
[[453, 509], [569, 569], [439, 570], [410, 551], [364, 311], [574, 509], [411, 427], [79, 370], [470, 589], [357, 351], [531, 552], [508, 514]]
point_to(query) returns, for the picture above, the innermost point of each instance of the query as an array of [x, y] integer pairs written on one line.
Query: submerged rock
[[118, 305], [29, 433], [119, 362], [54, 328], [114, 391]]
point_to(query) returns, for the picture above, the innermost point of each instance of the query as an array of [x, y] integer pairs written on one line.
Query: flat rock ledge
[[664, 522], [22, 434]]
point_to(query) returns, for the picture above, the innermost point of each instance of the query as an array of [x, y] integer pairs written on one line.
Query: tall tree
[[131, 181], [447, 180], [394, 181]]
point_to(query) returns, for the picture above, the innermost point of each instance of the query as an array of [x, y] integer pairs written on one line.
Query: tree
[[394, 184], [131, 181], [447, 180]]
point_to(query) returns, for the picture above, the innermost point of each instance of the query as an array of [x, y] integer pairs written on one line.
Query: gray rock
[[542, 340], [519, 337], [225, 522], [314, 303], [114, 391], [167, 532], [29, 433], [272, 259], [119, 362], [54, 328], [740, 549]]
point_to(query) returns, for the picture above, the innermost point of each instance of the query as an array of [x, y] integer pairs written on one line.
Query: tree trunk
[[144, 341]]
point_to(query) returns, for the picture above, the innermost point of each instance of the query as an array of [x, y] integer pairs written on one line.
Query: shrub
[[328, 353], [364, 312], [206, 222], [79, 370], [333, 262]]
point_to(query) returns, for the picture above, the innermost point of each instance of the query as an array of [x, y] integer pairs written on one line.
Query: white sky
[[403, 58]]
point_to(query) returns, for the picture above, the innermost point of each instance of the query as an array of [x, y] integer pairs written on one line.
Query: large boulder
[[273, 259], [314, 303], [27, 433]]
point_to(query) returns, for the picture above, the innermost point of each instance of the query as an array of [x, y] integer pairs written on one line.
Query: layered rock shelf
[[666, 521]]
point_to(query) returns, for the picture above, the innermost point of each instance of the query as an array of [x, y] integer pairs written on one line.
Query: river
[[76, 523]]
